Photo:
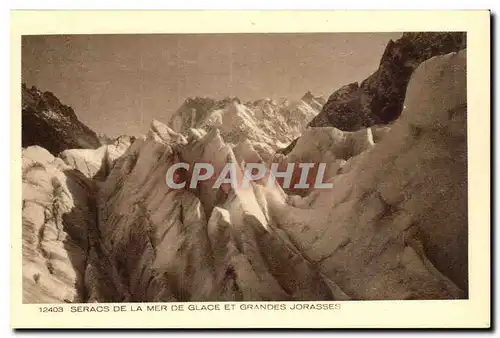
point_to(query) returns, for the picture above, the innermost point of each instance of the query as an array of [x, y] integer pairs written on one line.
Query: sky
[[117, 84]]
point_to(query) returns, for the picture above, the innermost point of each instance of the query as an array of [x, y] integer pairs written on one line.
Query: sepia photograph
[[270, 171]]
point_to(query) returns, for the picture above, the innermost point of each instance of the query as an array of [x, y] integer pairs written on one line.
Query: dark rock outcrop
[[379, 98], [48, 123]]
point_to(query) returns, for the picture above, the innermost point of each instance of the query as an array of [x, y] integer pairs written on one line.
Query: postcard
[[250, 169]]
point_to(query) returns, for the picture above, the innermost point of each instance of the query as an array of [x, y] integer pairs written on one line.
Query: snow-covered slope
[[394, 226], [58, 214], [96, 163]]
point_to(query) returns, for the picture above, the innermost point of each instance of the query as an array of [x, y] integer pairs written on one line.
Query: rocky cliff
[[48, 123], [379, 98], [394, 225]]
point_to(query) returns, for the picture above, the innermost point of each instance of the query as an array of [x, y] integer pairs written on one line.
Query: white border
[[80, 27]]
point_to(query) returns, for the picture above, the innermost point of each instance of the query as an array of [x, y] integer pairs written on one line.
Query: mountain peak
[[49, 123], [307, 96]]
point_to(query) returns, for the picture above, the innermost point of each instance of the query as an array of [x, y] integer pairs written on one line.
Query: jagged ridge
[[52, 125], [379, 98]]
